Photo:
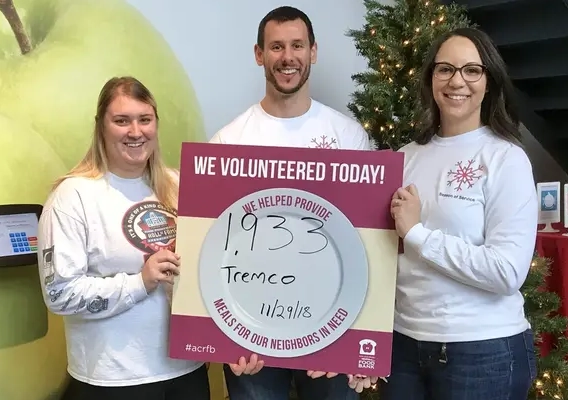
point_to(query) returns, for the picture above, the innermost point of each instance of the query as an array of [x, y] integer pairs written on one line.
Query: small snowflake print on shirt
[[323, 142], [464, 174]]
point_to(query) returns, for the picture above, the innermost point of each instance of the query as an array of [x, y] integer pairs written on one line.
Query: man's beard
[[303, 79]]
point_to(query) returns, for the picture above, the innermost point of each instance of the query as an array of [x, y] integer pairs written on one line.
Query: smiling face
[[287, 55], [459, 95], [130, 135]]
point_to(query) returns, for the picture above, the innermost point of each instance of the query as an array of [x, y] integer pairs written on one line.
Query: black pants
[[274, 384], [194, 386]]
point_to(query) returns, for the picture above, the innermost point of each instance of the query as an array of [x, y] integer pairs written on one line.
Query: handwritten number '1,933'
[[248, 226]]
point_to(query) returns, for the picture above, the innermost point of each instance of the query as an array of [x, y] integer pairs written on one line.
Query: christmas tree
[[394, 41]]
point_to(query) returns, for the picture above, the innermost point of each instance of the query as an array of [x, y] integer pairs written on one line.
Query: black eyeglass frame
[[460, 69]]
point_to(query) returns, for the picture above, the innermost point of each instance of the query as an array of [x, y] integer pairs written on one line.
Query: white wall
[[214, 41]]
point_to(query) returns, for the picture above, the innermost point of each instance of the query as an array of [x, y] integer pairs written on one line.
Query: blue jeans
[[495, 369], [274, 384]]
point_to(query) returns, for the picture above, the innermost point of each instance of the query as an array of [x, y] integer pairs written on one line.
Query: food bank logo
[[367, 349]]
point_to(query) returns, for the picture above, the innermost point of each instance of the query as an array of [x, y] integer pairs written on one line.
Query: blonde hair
[[94, 164]]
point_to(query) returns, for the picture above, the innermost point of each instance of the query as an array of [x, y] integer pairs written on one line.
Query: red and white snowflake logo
[[323, 142], [464, 174]]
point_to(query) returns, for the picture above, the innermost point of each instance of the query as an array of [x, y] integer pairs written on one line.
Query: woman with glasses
[[468, 218]]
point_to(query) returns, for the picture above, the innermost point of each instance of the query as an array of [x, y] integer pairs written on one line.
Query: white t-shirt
[[320, 127], [460, 274], [93, 239]]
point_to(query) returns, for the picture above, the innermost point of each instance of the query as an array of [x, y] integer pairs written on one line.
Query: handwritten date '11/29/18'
[[249, 223], [277, 310]]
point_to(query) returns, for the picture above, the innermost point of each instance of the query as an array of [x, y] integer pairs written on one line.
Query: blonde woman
[[106, 261]]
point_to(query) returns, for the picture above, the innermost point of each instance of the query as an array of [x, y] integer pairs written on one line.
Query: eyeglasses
[[469, 72]]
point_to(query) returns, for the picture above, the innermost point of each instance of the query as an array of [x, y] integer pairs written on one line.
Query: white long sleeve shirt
[[463, 265], [93, 239]]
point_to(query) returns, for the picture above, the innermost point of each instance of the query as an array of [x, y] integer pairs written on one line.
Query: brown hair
[[95, 163], [498, 108], [281, 15]]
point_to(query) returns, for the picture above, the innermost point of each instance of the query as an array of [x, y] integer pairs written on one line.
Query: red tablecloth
[[555, 247]]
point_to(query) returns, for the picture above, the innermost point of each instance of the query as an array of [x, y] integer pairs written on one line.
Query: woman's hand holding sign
[[161, 266], [405, 209]]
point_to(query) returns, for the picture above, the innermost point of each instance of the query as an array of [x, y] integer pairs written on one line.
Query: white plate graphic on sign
[[284, 280]]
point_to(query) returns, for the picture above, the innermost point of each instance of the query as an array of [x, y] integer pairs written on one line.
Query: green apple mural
[[55, 55]]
